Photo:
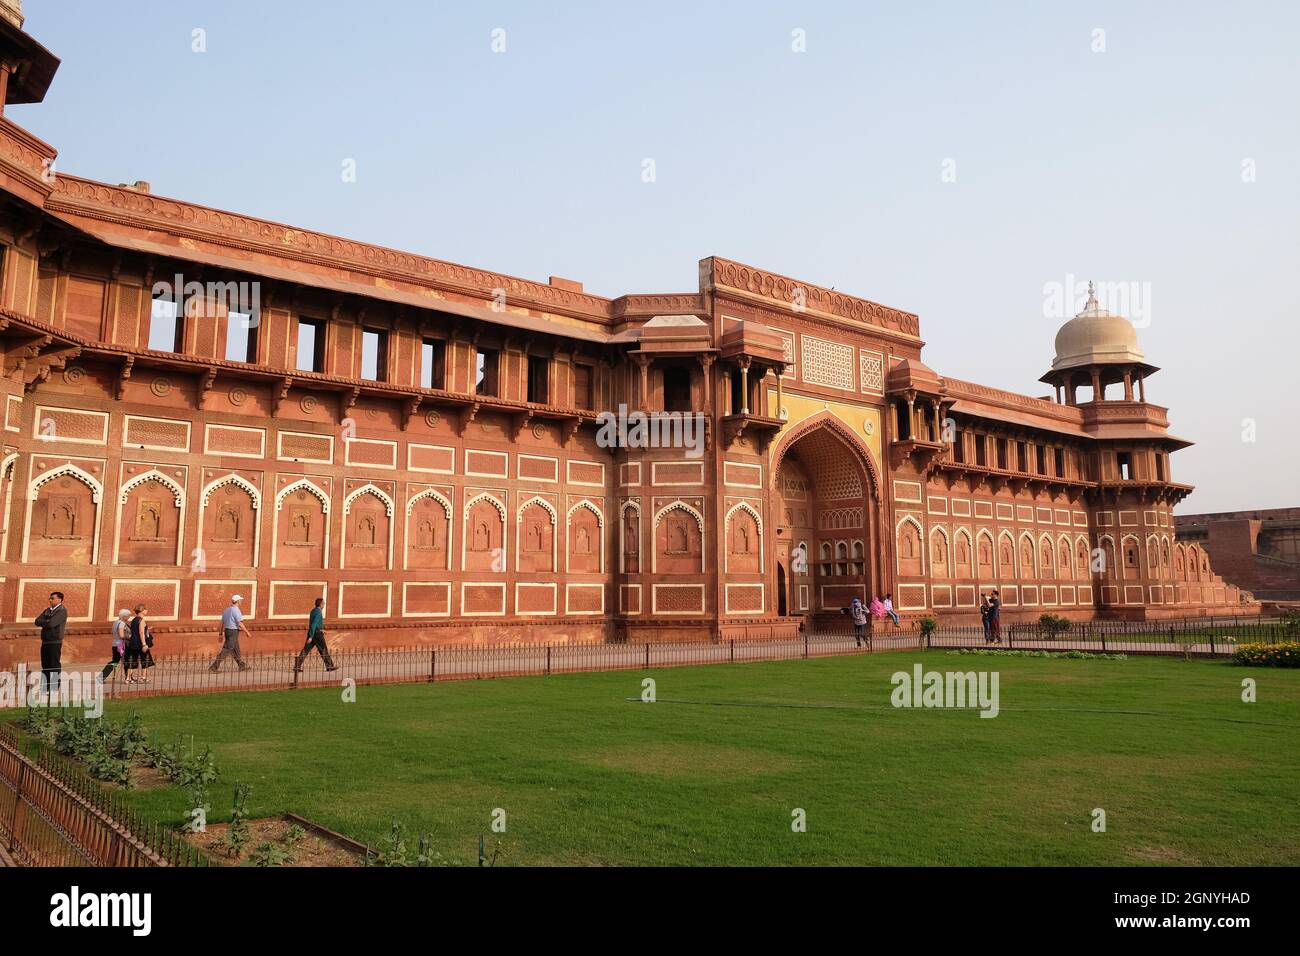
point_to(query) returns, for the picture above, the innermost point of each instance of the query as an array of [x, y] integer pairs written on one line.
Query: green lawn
[[1186, 772]]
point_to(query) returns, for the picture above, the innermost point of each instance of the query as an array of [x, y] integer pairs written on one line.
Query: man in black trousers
[[316, 638], [51, 621]]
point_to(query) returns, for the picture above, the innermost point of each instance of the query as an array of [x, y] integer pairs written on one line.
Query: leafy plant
[[269, 854], [393, 852], [293, 835], [237, 835], [928, 626]]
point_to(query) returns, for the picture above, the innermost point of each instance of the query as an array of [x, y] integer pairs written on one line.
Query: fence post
[[1011, 629], [18, 806], [433, 665], [1103, 642], [733, 650], [1212, 650], [647, 655], [548, 658], [805, 645]]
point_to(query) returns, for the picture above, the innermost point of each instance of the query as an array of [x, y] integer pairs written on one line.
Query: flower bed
[[1281, 654]]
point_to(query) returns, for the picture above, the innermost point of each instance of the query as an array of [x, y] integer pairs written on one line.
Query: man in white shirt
[[889, 607], [232, 622]]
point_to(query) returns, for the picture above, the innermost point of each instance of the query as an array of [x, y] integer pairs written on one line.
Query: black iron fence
[[53, 814], [1203, 637]]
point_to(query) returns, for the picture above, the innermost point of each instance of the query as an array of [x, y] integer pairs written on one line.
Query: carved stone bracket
[[519, 422], [467, 416], [280, 396], [123, 376], [208, 380], [349, 402], [569, 429], [409, 408]]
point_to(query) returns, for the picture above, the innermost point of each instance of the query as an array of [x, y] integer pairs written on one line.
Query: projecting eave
[[261, 266]]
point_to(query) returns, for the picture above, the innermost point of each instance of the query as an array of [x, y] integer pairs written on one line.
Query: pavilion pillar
[[1096, 385], [1128, 385]]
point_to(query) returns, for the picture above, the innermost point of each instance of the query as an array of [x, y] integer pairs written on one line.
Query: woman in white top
[[121, 631]]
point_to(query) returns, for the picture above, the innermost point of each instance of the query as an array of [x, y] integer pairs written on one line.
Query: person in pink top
[[877, 609]]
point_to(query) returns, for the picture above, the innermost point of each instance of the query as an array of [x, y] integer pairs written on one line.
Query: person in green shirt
[[316, 638]]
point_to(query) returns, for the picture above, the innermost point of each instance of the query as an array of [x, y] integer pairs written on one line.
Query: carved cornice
[[811, 298], [27, 158], [684, 303]]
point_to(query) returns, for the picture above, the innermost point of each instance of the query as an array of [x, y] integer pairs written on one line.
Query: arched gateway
[[830, 545]]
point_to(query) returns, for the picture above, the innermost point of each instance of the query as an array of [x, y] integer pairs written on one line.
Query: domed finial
[[1091, 305]]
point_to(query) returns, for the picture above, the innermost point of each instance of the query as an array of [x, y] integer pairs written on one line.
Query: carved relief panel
[[368, 524], [64, 516], [536, 541], [151, 503], [484, 535], [679, 541], [584, 540], [229, 533], [428, 533], [301, 528], [744, 542], [910, 558]]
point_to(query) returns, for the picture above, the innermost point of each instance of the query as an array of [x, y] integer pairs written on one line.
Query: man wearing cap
[[232, 622]]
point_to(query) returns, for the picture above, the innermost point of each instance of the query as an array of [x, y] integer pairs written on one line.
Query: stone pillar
[[644, 362], [1096, 385], [780, 395], [706, 367], [1142, 388], [1128, 385], [744, 386]]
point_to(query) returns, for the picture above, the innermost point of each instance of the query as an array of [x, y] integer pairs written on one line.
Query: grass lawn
[[1186, 772]]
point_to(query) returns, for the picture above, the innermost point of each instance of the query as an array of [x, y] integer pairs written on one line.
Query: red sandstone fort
[[417, 442]]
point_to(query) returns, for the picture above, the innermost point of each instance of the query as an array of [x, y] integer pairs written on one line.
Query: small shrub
[[293, 835], [1282, 654], [1053, 626], [928, 626]]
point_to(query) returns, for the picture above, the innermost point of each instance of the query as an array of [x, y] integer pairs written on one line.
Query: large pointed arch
[[843, 432]]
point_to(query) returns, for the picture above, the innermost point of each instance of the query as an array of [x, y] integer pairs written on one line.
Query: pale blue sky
[[1123, 165]]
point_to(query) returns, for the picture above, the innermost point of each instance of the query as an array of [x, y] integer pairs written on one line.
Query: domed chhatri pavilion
[[198, 403]]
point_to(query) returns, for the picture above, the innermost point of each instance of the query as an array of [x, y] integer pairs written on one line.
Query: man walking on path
[[52, 622], [232, 622], [859, 615], [316, 638]]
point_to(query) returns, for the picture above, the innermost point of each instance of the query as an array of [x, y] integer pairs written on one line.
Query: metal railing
[[191, 675], [53, 814]]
